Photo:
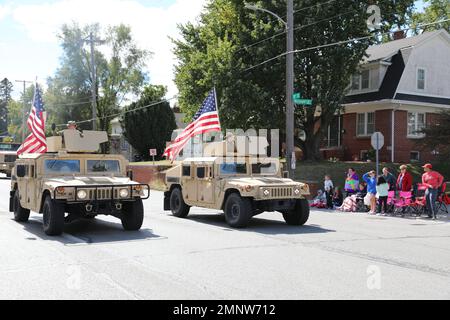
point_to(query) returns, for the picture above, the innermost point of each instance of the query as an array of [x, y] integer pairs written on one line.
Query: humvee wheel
[[133, 215], [299, 215], [177, 205], [53, 217], [20, 214], [238, 211]]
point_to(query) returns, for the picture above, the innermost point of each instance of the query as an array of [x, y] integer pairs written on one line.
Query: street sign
[[304, 102], [377, 144], [299, 101], [153, 154], [377, 141]]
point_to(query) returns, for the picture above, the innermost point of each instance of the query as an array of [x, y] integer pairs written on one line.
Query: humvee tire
[[177, 205], [53, 217], [299, 215], [133, 215], [20, 214], [238, 211]]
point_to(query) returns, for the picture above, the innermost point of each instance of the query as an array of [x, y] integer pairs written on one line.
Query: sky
[[29, 48]]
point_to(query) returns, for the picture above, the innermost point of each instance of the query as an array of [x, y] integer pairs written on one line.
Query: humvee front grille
[[103, 194], [281, 192]]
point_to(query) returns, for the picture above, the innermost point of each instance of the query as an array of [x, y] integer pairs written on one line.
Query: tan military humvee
[[8, 155], [72, 178], [240, 186]]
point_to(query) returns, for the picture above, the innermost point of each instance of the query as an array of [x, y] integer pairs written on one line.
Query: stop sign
[[377, 141]]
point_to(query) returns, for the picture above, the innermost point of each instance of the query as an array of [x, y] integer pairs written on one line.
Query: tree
[[435, 10], [437, 136], [119, 76], [149, 127], [226, 47], [5, 98]]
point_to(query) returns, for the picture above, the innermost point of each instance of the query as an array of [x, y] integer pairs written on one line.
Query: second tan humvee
[[241, 187]]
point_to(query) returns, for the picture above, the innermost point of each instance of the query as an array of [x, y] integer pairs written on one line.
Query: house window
[[416, 122], [365, 124], [421, 79], [355, 81], [365, 79], [414, 156]]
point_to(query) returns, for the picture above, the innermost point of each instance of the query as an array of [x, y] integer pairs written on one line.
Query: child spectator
[[338, 197], [328, 187], [370, 179], [320, 200], [382, 195]]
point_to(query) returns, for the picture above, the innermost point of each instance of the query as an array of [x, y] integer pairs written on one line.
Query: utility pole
[[290, 155], [24, 109], [289, 25], [94, 83]]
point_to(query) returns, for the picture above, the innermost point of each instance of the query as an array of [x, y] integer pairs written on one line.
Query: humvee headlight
[[81, 194], [60, 190], [297, 191], [266, 193], [124, 193]]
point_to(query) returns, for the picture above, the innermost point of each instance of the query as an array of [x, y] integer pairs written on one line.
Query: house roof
[[389, 49]]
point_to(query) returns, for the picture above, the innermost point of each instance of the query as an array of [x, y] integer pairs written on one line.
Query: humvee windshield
[[230, 168], [103, 166], [62, 166], [267, 168], [9, 146]]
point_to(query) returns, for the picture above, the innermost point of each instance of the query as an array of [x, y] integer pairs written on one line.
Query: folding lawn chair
[[419, 205], [403, 205], [391, 202]]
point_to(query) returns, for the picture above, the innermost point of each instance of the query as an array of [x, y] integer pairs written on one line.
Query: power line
[[316, 5], [126, 112], [340, 43], [70, 104], [295, 29]]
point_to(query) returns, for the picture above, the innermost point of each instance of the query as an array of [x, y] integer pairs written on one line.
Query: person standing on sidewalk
[[405, 180], [390, 179], [329, 187], [433, 180], [382, 195], [371, 179]]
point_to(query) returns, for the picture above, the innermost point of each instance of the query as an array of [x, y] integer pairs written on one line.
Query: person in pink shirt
[[433, 180]]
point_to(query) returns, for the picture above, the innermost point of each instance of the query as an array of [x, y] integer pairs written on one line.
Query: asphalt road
[[336, 256]]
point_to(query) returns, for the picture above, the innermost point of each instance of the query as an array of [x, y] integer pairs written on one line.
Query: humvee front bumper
[[101, 193]]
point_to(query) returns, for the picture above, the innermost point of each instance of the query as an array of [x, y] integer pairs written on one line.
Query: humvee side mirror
[[286, 174], [21, 171]]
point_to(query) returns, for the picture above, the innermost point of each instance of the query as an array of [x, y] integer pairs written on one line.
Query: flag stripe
[[205, 120], [36, 142]]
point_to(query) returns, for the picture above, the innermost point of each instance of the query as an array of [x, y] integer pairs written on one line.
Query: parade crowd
[[384, 194]]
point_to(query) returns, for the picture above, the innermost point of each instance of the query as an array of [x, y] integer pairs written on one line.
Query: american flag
[[36, 141], [205, 120]]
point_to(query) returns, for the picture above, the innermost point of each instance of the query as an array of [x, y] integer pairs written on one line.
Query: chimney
[[399, 34]]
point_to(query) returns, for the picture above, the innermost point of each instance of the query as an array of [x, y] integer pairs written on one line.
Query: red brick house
[[402, 86]]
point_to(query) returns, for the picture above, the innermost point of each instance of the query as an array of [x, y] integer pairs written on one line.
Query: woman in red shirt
[[405, 180], [433, 180]]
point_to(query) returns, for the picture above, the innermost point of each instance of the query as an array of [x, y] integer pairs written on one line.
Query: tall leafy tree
[[226, 48], [5, 98], [435, 10], [437, 136], [149, 127], [120, 74]]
